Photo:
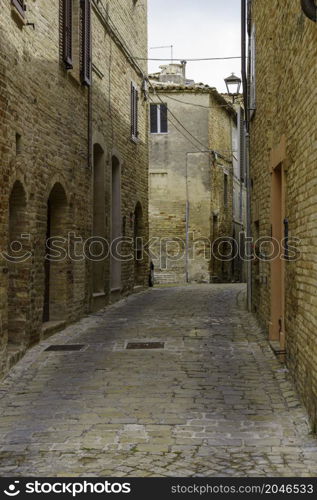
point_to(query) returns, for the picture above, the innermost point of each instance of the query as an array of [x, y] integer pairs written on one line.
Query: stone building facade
[[283, 155], [73, 160], [192, 128]]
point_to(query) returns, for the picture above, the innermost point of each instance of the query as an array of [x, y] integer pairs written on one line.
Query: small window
[[134, 112], [158, 116], [20, 6], [18, 144]]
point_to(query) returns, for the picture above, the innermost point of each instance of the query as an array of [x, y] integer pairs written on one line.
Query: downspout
[[90, 168], [90, 145], [247, 156], [187, 223]]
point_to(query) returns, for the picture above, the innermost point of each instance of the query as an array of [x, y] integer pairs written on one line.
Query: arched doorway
[[18, 281], [138, 245], [99, 219], [55, 264], [115, 224]]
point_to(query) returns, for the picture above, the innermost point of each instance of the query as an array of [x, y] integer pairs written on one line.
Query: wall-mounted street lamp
[[233, 84]]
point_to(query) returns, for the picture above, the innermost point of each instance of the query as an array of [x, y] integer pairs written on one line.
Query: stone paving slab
[[214, 402]]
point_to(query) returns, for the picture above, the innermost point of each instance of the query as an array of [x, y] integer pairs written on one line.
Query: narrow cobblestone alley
[[213, 402]]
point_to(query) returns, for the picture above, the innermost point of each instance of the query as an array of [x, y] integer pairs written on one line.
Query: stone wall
[[44, 158], [283, 143]]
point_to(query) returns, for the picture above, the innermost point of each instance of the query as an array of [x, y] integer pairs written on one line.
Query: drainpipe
[[249, 231], [90, 145], [90, 167], [187, 223], [247, 155]]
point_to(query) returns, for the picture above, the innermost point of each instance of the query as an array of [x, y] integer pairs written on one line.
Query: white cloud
[[197, 28]]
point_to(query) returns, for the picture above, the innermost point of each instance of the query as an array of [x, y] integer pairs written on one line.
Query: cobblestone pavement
[[213, 402]]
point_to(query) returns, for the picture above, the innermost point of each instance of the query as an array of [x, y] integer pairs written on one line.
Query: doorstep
[[51, 327], [15, 353]]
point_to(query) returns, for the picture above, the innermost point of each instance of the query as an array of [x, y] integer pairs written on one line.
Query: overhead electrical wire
[[231, 151], [186, 59], [179, 122], [198, 105], [178, 129], [134, 58]]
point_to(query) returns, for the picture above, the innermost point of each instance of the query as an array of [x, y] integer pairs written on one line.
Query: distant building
[[196, 182], [282, 108]]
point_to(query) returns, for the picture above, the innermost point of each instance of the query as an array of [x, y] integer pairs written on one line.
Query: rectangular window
[[85, 17], [158, 117], [20, 6], [134, 112], [66, 33]]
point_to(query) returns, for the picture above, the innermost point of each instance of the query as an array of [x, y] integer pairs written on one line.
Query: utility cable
[[179, 130], [187, 59], [178, 121], [198, 105]]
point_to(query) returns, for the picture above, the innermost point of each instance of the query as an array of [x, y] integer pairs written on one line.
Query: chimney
[[173, 73], [183, 63]]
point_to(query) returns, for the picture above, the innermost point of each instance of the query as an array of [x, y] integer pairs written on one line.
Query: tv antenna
[[171, 47]]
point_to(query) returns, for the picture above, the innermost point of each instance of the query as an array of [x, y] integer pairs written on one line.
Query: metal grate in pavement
[[145, 345], [65, 347]]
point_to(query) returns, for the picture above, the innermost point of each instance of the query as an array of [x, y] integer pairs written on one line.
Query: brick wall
[[44, 156], [285, 119]]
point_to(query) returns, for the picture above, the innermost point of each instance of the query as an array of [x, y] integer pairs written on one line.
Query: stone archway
[[55, 264], [18, 280]]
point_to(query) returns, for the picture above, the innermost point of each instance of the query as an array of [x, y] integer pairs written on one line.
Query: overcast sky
[[197, 28]]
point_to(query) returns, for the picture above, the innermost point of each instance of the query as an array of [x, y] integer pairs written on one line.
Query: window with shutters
[[66, 32], [134, 112], [20, 6], [158, 118], [85, 59]]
